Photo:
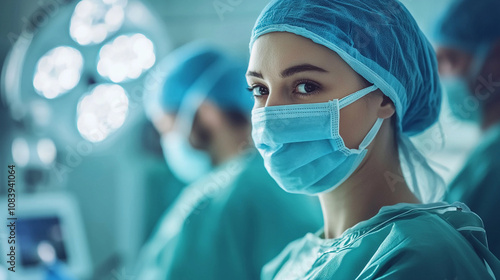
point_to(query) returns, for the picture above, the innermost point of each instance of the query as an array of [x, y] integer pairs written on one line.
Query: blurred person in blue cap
[[339, 86], [468, 38], [232, 218]]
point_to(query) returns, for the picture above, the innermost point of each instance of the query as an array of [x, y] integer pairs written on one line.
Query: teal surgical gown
[[404, 241], [478, 185], [227, 226]]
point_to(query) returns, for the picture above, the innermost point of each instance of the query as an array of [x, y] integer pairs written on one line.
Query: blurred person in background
[[468, 52], [232, 218]]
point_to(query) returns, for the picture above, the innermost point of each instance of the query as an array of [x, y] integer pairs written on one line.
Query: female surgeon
[[339, 87]]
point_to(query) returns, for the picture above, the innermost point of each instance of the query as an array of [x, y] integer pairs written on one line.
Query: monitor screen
[[40, 238]]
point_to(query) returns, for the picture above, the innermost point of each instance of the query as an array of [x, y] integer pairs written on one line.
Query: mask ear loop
[[378, 123], [371, 134], [480, 57], [348, 100]]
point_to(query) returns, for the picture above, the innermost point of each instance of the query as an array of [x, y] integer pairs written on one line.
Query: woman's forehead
[[280, 50], [286, 44]]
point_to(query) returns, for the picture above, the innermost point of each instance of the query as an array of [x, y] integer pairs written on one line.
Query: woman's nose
[[276, 99]]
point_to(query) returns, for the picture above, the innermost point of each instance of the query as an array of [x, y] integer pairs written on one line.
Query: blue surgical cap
[[469, 24], [200, 69], [379, 39]]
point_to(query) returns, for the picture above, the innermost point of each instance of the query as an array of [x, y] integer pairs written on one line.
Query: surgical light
[[57, 72], [95, 20], [102, 111], [126, 57], [53, 65]]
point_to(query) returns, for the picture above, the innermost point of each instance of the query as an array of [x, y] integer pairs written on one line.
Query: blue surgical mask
[[461, 102], [186, 163], [301, 145]]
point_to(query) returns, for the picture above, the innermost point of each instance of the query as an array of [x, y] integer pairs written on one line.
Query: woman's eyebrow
[[301, 68], [291, 71], [254, 74]]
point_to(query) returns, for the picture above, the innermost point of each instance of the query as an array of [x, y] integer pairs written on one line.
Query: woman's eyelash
[[254, 87], [307, 83]]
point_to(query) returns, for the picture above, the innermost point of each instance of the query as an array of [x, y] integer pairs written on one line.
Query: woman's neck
[[377, 182]]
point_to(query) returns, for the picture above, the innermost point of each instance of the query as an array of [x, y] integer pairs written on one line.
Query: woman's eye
[[306, 88], [259, 90]]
